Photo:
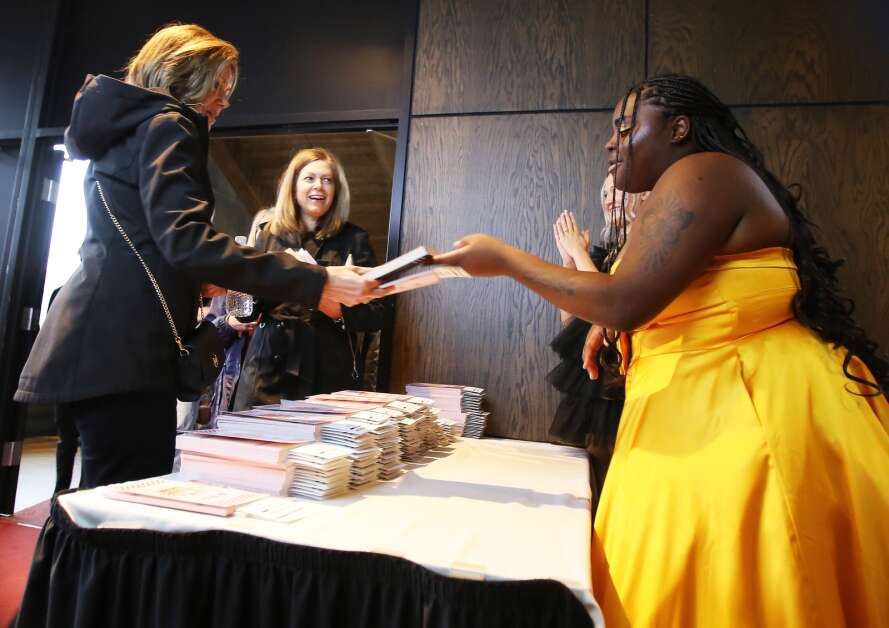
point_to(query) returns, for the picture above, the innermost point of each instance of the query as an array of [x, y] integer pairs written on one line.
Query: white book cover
[[179, 495], [399, 264], [424, 278], [238, 474], [264, 452]]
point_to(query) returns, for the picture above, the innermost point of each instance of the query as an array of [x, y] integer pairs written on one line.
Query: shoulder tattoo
[[661, 227]]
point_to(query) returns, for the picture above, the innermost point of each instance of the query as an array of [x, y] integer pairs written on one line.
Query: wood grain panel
[[750, 51], [508, 176], [839, 156], [508, 55]]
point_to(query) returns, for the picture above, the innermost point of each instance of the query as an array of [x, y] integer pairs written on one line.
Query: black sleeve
[[370, 316], [178, 207]]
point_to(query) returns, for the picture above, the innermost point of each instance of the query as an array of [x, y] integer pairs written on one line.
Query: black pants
[[123, 437], [66, 450]]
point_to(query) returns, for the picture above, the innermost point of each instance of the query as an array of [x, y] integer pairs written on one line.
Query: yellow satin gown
[[748, 487]]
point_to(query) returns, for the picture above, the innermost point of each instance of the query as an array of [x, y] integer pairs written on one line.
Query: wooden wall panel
[[754, 51], [508, 55], [508, 176], [839, 156]]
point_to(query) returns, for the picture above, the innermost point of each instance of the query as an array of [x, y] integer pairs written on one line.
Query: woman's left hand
[[569, 236], [209, 290], [478, 254]]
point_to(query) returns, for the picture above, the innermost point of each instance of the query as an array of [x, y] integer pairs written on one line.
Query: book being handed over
[[412, 270]]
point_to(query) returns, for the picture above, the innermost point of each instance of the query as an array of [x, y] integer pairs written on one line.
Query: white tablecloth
[[489, 509]]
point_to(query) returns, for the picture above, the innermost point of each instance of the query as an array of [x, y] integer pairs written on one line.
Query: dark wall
[[19, 53], [297, 58], [810, 82]]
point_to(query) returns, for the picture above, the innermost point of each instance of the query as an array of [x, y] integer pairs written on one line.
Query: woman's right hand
[[238, 326], [478, 254], [346, 286], [595, 338]]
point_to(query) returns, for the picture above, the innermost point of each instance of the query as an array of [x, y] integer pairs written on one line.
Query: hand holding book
[[479, 255], [401, 274], [397, 275]]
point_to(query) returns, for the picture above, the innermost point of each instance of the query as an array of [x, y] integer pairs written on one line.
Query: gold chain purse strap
[[182, 348]]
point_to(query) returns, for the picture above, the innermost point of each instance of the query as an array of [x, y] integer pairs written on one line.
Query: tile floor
[[37, 474]]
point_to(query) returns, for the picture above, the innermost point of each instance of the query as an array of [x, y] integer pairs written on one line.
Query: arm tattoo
[[661, 227], [562, 286]]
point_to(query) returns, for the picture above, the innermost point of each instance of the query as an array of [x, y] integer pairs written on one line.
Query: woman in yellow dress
[[750, 478]]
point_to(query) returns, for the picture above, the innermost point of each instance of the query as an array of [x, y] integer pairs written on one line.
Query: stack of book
[[385, 433], [320, 470], [461, 404], [275, 424], [365, 454], [476, 417], [363, 396], [323, 404], [252, 465], [413, 426], [447, 431]]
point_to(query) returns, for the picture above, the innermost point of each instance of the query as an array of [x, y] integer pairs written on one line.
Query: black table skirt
[[137, 578]]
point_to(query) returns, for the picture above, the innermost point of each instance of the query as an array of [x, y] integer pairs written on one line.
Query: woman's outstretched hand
[[345, 285], [478, 254]]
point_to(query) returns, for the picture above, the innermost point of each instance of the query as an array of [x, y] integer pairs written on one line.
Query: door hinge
[[29, 318], [49, 191]]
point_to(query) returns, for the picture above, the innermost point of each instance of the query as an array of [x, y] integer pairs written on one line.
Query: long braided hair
[[819, 304]]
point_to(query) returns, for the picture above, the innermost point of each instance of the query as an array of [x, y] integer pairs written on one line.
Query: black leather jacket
[[298, 351], [106, 332]]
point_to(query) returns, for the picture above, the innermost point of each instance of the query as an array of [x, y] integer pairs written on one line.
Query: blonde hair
[[613, 219], [286, 219], [184, 59]]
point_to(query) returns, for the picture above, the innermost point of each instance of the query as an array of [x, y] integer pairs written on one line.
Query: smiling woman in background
[[590, 405], [297, 350]]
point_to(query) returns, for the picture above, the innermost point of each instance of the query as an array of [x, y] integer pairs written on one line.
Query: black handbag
[[200, 361], [201, 354]]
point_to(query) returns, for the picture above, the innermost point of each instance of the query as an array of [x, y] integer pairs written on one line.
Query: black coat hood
[[107, 110]]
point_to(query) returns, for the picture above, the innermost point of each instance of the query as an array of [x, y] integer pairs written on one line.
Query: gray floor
[[37, 474]]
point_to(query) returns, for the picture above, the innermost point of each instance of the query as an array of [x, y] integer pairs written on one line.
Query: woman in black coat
[[300, 350], [106, 349]]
